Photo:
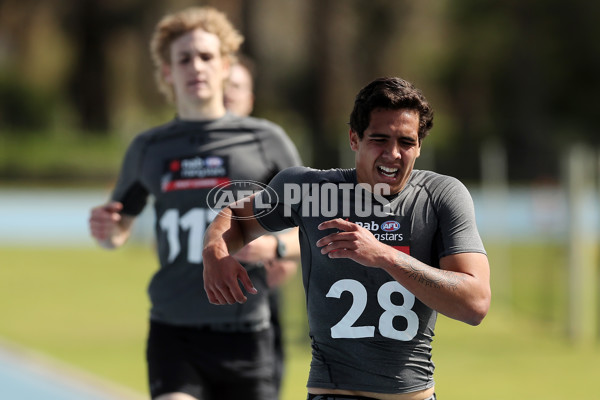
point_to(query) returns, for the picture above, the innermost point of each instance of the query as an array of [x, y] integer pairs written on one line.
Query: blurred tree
[[25, 108], [521, 72], [524, 72], [379, 25], [320, 81], [90, 24], [346, 47]]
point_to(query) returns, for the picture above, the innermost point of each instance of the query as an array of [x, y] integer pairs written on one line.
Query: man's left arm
[[459, 289]]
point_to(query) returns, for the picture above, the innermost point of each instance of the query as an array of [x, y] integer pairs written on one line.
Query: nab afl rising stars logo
[[194, 172]]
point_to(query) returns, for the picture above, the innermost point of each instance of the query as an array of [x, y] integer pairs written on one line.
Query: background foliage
[[523, 73]]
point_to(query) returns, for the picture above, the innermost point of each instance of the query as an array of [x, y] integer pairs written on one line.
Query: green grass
[[85, 307], [88, 307]]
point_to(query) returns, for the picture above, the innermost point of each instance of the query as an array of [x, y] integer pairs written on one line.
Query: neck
[[201, 111]]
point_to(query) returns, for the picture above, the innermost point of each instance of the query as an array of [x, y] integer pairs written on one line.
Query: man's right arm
[[108, 226], [234, 227]]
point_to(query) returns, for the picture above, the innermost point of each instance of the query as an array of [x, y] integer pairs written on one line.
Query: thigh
[[169, 368]]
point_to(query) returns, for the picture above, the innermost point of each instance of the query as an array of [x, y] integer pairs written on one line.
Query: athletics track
[[26, 375]]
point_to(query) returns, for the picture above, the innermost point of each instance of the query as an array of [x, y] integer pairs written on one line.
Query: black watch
[[281, 250]]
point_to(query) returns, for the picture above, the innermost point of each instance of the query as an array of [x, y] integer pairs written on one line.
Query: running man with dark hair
[[384, 248]]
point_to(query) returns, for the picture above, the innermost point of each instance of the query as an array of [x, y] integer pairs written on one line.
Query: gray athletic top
[[368, 332], [178, 164]]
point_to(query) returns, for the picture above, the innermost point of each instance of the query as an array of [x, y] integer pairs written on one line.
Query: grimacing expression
[[197, 70], [388, 149]]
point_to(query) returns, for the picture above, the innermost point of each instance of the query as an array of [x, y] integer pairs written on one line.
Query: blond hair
[[172, 26]]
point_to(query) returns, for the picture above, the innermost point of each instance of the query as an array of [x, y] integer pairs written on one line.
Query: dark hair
[[390, 94]]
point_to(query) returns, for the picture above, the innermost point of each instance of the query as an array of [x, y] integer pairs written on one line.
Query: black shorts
[[209, 364], [347, 397]]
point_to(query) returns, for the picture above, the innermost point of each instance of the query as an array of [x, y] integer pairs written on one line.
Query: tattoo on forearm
[[437, 279]]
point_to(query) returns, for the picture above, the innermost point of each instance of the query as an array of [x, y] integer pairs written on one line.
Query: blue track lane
[[27, 377]]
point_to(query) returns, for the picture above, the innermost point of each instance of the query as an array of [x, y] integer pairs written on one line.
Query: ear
[[166, 73], [419, 149], [354, 139]]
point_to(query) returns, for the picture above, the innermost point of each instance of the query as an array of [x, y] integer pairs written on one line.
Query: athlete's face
[[239, 98], [389, 148], [197, 70]]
